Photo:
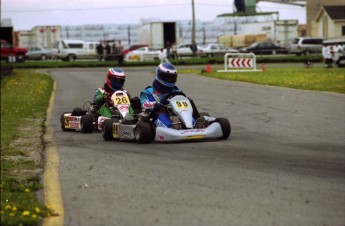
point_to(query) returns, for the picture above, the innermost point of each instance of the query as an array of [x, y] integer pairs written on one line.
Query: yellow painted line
[[51, 183]]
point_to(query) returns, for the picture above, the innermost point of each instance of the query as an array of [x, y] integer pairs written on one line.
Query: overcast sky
[[26, 14]]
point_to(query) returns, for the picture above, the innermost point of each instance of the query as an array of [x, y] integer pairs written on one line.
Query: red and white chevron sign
[[240, 62]]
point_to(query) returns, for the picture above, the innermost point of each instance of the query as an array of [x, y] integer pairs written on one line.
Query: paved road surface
[[284, 163]]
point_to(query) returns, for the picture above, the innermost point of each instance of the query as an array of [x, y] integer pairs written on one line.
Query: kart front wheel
[[107, 129], [226, 128], [86, 124], [204, 114], [143, 133]]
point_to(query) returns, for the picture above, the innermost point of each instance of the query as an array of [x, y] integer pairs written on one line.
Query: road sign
[[239, 62]]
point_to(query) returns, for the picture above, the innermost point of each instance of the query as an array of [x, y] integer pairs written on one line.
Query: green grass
[[24, 100], [320, 79]]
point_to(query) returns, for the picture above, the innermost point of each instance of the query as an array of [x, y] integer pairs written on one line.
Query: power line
[[107, 8]]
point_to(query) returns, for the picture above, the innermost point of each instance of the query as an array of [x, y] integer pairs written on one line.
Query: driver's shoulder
[[148, 90], [176, 89]]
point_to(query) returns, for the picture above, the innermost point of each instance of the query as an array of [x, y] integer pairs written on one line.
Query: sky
[[26, 14]]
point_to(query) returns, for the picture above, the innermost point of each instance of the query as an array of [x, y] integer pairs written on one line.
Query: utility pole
[[193, 30]]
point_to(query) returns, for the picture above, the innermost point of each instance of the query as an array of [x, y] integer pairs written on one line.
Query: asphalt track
[[284, 163]]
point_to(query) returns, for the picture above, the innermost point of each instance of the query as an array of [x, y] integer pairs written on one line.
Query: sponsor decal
[[74, 125], [100, 121], [148, 105], [193, 131], [160, 137], [73, 119], [115, 130], [123, 107], [194, 137], [126, 134]]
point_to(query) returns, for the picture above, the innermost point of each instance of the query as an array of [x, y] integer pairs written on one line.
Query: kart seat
[[136, 104]]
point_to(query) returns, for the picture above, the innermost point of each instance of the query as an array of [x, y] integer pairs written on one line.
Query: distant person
[[174, 50], [337, 51], [100, 51], [327, 56], [194, 49], [162, 56], [114, 51], [168, 47], [120, 55], [108, 52]]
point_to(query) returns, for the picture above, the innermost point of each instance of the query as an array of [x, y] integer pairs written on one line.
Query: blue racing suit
[[149, 98]]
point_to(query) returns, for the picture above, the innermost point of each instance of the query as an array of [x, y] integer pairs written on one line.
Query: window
[[343, 30], [75, 45], [312, 41]]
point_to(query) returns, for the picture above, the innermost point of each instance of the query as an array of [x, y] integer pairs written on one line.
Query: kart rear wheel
[[78, 112], [143, 133], [107, 129], [226, 128], [86, 123]]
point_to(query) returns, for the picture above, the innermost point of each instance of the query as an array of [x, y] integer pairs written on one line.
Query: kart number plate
[[182, 104], [121, 100]]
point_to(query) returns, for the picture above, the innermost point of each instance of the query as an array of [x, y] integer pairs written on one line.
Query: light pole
[[193, 30]]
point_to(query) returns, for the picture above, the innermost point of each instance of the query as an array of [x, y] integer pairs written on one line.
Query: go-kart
[[88, 119], [182, 113]]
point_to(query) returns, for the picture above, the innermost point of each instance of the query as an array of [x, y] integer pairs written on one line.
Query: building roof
[[335, 12]]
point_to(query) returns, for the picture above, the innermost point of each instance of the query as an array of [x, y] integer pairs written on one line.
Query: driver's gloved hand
[[164, 101]]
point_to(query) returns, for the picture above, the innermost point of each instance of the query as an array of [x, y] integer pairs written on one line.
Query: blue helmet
[[166, 74], [116, 78]]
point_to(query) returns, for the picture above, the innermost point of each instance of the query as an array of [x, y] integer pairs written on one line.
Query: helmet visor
[[117, 82], [167, 77]]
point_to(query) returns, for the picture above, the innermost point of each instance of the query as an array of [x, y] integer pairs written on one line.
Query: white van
[[305, 45], [70, 50]]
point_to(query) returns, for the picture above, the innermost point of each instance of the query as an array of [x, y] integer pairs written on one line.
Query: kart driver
[[163, 84], [115, 80]]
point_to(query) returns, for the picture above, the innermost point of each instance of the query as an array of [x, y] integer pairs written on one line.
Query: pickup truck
[[12, 54]]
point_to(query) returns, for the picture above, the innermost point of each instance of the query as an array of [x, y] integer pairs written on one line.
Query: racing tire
[[78, 112], [86, 123], [143, 133], [226, 128], [204, 114], [71, 58], [107, 129]]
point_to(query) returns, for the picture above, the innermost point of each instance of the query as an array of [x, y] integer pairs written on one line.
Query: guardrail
[[239, 62]]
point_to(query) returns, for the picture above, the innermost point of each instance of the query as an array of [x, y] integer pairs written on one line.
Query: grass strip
[[24, 101], [320, 79]]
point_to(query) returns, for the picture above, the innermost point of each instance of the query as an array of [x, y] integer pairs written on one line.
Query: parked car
[[185, 50], [142, 54], [70, 50], [39, 53], [214, 49], [133, 47], [264, 48], [305, 46], [10, 53]]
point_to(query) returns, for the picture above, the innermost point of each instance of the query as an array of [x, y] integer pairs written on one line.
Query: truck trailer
[[158, 35]]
